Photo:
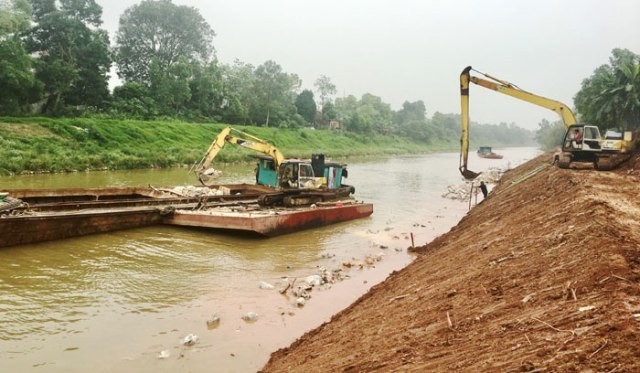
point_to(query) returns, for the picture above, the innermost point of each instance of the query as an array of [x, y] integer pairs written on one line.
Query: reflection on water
[[116, 294]]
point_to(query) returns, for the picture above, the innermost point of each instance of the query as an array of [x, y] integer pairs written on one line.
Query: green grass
[[63, 145]]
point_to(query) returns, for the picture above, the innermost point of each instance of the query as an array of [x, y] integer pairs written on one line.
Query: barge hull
[[21, 230], [272, 222]]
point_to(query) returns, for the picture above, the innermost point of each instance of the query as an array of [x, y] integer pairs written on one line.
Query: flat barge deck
[[272, 221]]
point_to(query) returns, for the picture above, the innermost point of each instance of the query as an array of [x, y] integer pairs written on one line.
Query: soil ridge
[[543, 275]]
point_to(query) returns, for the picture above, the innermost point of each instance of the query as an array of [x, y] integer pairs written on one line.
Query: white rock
[[213, 321], [164, 354], [314, 280], [265, 285], [300, 302], [250, 316], [190, 340]]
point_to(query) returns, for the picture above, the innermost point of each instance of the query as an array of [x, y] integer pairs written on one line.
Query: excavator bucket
[[468, 174], [208, 176]]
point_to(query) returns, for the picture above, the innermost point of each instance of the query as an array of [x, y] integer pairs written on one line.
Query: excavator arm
[[464, 139], [233, 136], [493, 83]]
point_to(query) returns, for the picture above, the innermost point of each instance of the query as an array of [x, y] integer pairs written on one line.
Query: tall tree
[[73, 53], [160, 31], [19, 85], [610, 98], [306, 106], [325, 88], [238, 81], [170, 88], [206, 90], [274, 90]]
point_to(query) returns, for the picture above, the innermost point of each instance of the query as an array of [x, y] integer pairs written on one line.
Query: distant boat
[[486, 152]]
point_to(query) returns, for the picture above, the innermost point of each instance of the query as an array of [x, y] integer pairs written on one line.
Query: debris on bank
[[461, 192]]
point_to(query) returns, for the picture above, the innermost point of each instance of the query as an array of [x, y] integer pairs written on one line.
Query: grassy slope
[[57, 145]]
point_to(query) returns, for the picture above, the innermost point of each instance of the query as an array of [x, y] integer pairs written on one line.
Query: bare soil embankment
[[544, 275]]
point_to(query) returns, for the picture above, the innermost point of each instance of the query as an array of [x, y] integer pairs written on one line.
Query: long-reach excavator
[[295, 181], [581, 143]]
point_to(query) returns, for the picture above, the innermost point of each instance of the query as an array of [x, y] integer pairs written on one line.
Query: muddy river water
[[125, 301]]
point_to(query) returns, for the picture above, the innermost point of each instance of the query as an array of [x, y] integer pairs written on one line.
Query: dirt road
[[544, 275]]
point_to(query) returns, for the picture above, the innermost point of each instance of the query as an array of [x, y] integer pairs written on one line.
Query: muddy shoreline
[[542, 276]]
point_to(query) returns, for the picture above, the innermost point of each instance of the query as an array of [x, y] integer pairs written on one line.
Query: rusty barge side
[[27, 229], [273, 221], [53, 214]]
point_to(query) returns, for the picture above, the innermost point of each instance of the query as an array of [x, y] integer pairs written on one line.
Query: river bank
[[48, 145], [542, 276]]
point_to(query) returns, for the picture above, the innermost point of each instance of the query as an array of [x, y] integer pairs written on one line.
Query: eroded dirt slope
[[542, 276]]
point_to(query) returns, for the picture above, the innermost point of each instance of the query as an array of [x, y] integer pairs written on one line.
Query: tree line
[[55, 61], [609, 99]]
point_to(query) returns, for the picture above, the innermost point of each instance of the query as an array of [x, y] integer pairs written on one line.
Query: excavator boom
[[565, 113], [234, 136], [464, 139], [495, 84]]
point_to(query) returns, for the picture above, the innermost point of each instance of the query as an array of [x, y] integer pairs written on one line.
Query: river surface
[[116, 302]]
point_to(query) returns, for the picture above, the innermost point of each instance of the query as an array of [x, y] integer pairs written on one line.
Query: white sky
[[409, 50]]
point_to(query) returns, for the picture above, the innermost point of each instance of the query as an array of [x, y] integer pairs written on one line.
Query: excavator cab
[[581, 143], [582, 137], [298, 174]]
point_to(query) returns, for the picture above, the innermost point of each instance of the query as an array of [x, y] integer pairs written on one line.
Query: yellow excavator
[[295, 181], [581, 143], [272, 162]]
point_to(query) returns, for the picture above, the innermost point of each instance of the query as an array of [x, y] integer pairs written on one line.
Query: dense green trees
[[73, 54], [306, 106], [274, 94], [19, 85], [367, 115], [610, 98], [549, 135], [14, 16], [160, 33], [55, 59]]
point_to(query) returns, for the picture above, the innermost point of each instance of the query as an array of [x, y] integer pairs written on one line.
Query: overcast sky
[[409, 50]]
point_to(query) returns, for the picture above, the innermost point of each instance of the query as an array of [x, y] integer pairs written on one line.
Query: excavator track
[[608, 162]]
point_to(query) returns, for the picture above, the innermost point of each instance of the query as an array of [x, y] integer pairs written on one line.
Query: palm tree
[[610, 98]]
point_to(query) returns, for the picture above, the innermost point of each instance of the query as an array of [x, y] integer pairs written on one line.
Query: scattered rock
[[213, 321], [190, 340], [314, 280], [265, 285], [300, 302], [250, 317], [164, 354]]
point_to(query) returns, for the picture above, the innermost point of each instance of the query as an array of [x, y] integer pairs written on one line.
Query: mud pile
[[544, 275]]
